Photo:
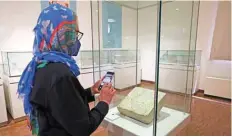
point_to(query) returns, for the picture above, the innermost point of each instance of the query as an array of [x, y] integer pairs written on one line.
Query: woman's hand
[[94, 88], [107, 93]]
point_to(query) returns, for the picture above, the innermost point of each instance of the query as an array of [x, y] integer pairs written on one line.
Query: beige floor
[[209, 116]]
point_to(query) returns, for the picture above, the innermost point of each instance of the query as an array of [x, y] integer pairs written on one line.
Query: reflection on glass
[[14, 63], [181, 57], [179, 61], [111, 25]]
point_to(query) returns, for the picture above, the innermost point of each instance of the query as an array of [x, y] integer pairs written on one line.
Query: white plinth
[[13, 103], [3, 114], [168, 121]]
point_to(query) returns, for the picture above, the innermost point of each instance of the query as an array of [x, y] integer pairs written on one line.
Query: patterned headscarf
[[55, 41]]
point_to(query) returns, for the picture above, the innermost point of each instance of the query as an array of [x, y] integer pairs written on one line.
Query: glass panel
[[18, 62], [124, 32], [85, 58], [5, 63], [14, 63], [115, 39], [178, 64], [194, 58], [95, 15], [85, 61]]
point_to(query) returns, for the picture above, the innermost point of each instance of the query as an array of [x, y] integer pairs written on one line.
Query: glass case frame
[[189, 55]]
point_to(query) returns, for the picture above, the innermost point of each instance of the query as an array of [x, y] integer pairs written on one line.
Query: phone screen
[[107, 79]]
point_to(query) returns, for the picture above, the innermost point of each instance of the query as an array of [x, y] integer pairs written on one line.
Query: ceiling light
[[111, 20]]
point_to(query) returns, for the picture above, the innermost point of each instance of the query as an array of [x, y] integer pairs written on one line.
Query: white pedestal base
[[13, 103], [3, 114], [169, 119]]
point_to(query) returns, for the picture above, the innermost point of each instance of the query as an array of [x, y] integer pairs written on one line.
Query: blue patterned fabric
[[55, 41]]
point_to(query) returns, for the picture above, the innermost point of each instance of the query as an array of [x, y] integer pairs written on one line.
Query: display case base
[[168, 121], [4, 124], [13, 103], [3, 113], [127, 88]]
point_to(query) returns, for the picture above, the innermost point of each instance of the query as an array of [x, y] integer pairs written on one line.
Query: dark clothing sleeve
[[67, 103], [89, 95]]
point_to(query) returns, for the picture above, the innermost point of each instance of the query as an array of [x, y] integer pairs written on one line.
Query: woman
[[54, 100]]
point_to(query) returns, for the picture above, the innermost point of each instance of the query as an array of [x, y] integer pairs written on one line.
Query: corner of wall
[[206, 23]]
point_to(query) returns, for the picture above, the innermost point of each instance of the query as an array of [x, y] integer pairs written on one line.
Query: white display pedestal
[[3, 114], [168, 121], [13, 103]]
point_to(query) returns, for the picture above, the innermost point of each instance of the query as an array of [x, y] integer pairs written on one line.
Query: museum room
[[168, 65]]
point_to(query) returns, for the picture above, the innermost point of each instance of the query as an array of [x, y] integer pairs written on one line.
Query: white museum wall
[[176, 25], [221, 47], [129, 26], [17, 29], [218, 69], [84, 19], [147, 41], [17, 23]]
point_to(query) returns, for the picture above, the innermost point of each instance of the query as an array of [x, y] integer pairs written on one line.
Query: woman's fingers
[[109, 85], [113, 91], [98, 82]]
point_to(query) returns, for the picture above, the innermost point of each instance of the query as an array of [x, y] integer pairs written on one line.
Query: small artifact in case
[[139, 104]]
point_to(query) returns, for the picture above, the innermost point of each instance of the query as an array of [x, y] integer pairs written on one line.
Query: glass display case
[[107, 57], [123, 56], [84, 59], [14, 63], [109, 60], [140, 33], [104, 55], [181, 57]]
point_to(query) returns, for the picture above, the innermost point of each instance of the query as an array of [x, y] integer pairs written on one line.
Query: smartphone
[[107, 79]]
